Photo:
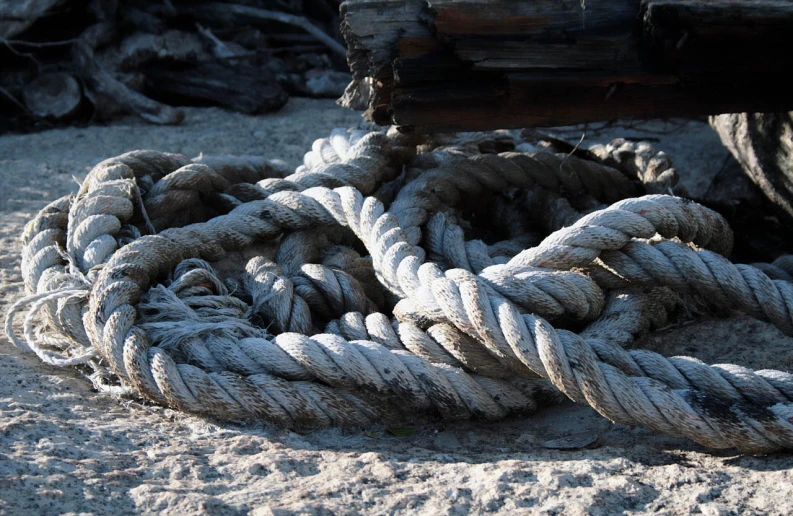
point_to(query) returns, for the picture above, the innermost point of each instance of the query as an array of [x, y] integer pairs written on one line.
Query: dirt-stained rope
[[370, 312]]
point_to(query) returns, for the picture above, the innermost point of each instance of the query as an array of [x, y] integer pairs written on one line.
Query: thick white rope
[[471, 332]]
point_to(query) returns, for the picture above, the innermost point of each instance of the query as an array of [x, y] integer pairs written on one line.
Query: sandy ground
[[67, 449]]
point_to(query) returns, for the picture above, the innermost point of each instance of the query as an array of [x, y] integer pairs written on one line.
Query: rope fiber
[[393, 278]]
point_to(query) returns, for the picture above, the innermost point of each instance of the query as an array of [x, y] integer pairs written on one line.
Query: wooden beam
[[454, 65]]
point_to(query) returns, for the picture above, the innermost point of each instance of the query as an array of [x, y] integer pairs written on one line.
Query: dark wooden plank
[[453, 65], [525, 100]]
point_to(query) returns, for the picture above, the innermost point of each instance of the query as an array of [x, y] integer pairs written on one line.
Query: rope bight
[[393, 276]]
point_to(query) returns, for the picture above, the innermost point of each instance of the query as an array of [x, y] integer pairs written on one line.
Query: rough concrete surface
[[67, 449]]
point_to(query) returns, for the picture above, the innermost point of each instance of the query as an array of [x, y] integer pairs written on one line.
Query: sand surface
[[65, 448]]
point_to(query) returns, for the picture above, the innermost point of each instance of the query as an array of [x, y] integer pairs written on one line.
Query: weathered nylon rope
[[471, 330]]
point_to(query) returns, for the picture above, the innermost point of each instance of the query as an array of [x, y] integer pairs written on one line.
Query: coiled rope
[[410, 277]]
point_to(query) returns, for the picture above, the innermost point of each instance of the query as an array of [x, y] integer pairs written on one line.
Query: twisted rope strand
[[742, 288], [444, 177]]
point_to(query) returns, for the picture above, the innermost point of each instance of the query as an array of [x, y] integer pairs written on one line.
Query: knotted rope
[[379, 306]]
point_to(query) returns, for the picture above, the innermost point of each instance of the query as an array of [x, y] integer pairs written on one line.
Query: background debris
[[78, 61]]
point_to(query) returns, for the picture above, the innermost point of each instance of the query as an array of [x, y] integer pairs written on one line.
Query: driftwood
[[145, 56], [103, 83], [141, 48], [244, 88], [240, 14], [451, 65], [53, 95]]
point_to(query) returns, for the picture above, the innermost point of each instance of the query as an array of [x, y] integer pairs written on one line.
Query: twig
[[265, 14], [8, 44], [13, 99], [38, 44], [583, 133], [219, 49], [574, 149]]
